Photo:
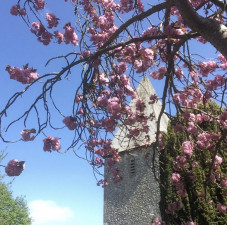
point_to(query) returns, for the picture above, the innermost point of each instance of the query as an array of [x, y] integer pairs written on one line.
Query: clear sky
[[60, 188]]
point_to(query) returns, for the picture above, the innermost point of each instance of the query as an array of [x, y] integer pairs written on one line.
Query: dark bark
[[212, 30]]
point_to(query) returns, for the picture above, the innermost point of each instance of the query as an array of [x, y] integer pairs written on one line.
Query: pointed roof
[[121, 142]]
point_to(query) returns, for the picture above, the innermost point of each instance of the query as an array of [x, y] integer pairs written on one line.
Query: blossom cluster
[[157, 221], [190, 97], [52, 20], [205, 140], [70, 35], [174, 207], [43, 35], [51, 143], [26, 135], [221, 208], [207, 67], [25, 76], [178, 184], [141, 58], [14, 167], [70, 122], [160, 73], [102, 182], [16, 10], [39, 4]]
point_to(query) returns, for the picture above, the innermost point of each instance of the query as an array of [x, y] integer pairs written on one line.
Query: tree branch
[[139, 17], [220, 4], [212, 30]]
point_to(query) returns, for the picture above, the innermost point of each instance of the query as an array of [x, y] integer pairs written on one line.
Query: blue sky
[[59, 188]]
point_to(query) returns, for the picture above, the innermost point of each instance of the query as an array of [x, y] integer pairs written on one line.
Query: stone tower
[[135, 199]]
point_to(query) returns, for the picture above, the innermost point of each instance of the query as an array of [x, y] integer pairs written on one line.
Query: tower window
[[132, 168]]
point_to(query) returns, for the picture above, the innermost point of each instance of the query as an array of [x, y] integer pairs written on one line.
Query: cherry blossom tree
[[117, 42]]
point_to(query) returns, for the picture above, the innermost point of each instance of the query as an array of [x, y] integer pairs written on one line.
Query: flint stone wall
[[134, 200]]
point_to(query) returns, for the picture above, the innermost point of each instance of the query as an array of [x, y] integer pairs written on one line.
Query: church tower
[[135, 199]]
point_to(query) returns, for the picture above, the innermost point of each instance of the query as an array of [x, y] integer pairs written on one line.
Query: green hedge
[[200, 204]]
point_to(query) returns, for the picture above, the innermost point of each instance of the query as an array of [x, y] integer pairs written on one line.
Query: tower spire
[[122, 140]]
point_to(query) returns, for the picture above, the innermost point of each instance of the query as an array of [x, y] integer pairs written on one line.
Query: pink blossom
[[181, 190], [160, 73], [114, 105], [130, 120], [222, 120], [196, 4], [40, 31], [170, 31], [221, 208], [213, 178], [194, 75], [218, 81], [59, 36], [190, 223], [16, 10], [180, 162], [134, 132], [145, 60], [109, 124], [205, 139], [14, 167], [188, 148], [224, 183], [178, 128], [124, 79], [223, 61], [102, 101], [218, 161], [173, 207], [207, 67], [79, 98], [103, 78], [192, 128], [175, 178], [160, 142], [70, 35], [25, 76], [70, 122], [157, 221], [52, 20], [201, 39], [104, 183], [202, 117], [120, 69], [179, 73], [153, 99], [85, 54], [117, 178], [39, 4], [140, 105], [130, 91], [151, 31], [51, 143], [98, 162], [81, 111], [26, 135], [126, 5], [194, 164]]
